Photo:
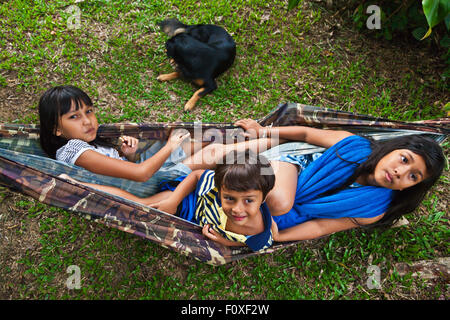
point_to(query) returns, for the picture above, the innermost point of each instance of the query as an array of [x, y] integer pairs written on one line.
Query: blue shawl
[[329, 172]]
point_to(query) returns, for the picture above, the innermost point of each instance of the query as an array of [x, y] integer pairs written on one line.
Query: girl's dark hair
[[53, 104], [242, 171], [409, 199]]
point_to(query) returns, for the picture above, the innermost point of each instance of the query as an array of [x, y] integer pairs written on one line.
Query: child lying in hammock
[[68, 133], [228, 202], [355, 182]]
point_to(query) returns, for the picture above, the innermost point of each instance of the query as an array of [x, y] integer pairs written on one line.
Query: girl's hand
[[165, 205], [252, 128], [129, 146], [176, 138]]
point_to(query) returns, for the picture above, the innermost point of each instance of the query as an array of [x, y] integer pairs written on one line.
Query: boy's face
[[241, 207]]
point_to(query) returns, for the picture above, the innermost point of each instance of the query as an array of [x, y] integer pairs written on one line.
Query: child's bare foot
[[65, 176]]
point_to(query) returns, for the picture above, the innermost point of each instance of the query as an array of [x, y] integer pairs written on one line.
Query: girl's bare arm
[[319, 137], [188, 185], [101, 164], [316, 228]]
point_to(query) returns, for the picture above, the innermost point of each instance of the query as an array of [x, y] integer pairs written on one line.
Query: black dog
[[200, 52]]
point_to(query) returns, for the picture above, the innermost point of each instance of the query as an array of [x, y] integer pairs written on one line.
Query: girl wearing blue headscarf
[[355, 182]]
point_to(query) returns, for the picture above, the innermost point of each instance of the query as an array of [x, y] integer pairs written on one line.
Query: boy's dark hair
[[242, 171]]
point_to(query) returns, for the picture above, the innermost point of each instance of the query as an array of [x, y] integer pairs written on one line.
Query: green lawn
[[306, 55]]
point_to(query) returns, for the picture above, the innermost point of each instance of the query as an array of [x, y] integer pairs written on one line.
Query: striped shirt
[[72, 150]]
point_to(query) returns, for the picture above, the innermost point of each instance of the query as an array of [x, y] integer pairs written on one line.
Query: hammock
[[25, 168]]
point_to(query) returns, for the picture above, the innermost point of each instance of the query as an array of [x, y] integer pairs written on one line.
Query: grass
[[282, 56], [116, 265]]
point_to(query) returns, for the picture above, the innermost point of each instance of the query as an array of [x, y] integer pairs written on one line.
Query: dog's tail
[[172, 27]]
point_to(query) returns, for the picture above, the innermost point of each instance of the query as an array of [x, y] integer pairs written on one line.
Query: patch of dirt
[[14, 102]]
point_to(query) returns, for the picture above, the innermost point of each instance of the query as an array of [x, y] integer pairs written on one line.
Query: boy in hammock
[[228, 202]]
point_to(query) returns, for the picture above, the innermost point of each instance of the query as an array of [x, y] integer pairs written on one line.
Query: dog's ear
[[172, 27]]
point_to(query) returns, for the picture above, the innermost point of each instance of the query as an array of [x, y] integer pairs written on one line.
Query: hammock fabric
[[25, 168]]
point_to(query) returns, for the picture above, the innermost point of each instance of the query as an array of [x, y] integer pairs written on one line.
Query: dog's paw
[[167, 77], [189, 105]]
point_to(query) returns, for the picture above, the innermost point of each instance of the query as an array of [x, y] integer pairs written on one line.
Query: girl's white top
[[70, 152]]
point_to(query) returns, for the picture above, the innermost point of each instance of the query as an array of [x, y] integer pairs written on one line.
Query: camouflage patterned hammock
[[24, 167]]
